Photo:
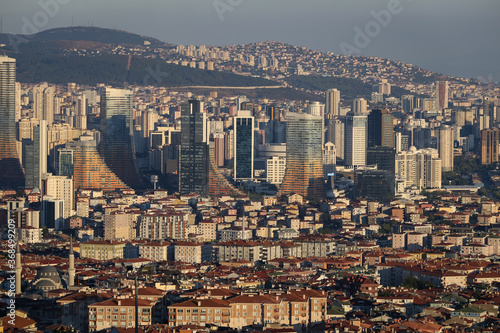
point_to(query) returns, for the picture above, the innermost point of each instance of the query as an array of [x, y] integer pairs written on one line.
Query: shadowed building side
[[193, 157]]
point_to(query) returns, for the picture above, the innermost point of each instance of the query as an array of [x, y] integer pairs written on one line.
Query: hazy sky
[[456, 37]]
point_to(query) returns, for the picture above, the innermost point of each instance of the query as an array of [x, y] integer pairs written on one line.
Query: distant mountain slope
[[36, 64], [94, 34]]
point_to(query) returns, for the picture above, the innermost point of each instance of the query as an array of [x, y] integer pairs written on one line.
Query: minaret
[[19, 269], [71, 270]]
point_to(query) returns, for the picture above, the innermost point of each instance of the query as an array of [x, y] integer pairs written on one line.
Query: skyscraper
[[43, 103], [304, 159], [89, 168], [335, 134], [332, 103], [244, 145], [65, 163], [35, 155], [329, 158], [490, 145], [383, 157], [356, 139], [11, 172], [359, 105], [445, 147], [194, 152], [117, 143], [272, 112], [60, 188], [441, 95], [81, 113], [407, 102], [380, 129]]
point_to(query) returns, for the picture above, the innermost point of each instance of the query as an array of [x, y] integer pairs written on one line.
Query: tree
[[412, 282], [386, 227]]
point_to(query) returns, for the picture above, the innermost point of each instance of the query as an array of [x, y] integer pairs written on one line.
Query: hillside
[[36, 63], [351, 88], [95, 34]]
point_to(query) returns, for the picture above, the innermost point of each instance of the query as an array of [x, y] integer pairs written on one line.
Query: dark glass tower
[[194, 153], [380, 129], [11, 171], [244, 145], [117, 144]]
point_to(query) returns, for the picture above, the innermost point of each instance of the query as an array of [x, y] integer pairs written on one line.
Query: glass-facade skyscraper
[[356, 139], [244, 145], [117, 144], [11, 171], [194, 153], [304, 156], [380, 129]]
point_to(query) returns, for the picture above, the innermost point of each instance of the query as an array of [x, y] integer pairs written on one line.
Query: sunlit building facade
[[11, 171], [304, 156]]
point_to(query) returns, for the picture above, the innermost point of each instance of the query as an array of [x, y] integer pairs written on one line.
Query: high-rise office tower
[[65, 162], [335, 134], [117, 142], [11, 171], [383, 157], [81, 113], [52, 213], [248, 106], [329, 158], [380, 129], [89, 168], [332, 103], [272, 112], [401, 142], [60, 188], [375, 185], [445, 147], [35, 155], [219, 148], [356, 139], [407, 102], [43, 103], [384, 87], [194, 151], [18, 101], [359, 106], [318, 109], [304, 159], [490, 145], [489, 110], [441, 95], [244, 145]]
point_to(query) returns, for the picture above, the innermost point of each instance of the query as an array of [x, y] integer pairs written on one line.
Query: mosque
[[48, 278]]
